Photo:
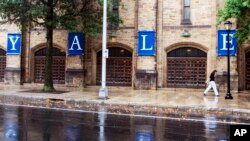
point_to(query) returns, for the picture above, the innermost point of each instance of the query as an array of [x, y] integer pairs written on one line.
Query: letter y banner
[[13, 44]]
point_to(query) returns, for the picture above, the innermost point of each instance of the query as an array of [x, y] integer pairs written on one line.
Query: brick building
[[185, 50]]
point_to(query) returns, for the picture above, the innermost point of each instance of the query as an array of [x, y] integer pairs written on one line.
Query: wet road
[[35, 124]]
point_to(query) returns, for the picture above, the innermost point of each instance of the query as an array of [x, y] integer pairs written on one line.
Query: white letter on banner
[[75, 42], [225, 41], [13, 41], [144, 43]]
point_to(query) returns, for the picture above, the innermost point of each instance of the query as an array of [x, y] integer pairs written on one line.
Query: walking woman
[[212, 84]]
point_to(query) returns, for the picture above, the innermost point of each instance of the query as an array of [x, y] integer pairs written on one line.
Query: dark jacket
[[212, 76]]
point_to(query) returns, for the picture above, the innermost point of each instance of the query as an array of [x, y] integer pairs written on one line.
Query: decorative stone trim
[[145, 79], [185, 27], [12, 76], [75, 77]]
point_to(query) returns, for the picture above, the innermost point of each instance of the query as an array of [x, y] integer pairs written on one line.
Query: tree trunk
[[25, 47], [48, 83], [24, 55]]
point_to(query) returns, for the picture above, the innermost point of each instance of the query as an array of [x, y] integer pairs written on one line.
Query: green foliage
[[73, 15], [240, 10]]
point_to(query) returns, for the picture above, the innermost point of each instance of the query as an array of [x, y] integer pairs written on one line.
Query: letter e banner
[[223, 43]]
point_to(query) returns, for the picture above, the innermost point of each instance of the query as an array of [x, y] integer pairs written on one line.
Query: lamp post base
[[229, 96], [103, 93]]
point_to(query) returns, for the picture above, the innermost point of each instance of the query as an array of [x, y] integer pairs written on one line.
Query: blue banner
[[75, 43], [146, 43], [223, 43], [14, 43]]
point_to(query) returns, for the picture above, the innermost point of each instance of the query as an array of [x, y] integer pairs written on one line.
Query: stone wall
[[13, 70]]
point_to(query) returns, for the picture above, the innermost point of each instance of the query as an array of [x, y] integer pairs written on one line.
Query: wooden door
[[2, 64], [186, 68], [119, 67], [58, 66]]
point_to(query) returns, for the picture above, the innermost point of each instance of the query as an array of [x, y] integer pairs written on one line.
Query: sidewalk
[[163, 102]]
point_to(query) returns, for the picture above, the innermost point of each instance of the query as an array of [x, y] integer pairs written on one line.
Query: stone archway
[[2, 64], [58, 65], [247, 70], [186, 68], [119, 67], [243, 62]]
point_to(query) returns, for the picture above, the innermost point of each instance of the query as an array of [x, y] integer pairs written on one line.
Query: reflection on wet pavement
[[33, 124], [10, 124], [211, 102]]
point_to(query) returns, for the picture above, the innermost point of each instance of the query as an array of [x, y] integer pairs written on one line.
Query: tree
[[240, 10], [73, 15]]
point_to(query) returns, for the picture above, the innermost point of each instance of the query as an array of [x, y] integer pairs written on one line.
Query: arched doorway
[[2, 64], [119, 67], [186, 68], [58, 66], [248, 70]]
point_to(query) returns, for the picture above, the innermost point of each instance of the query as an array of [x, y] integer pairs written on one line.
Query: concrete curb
[[193, 112]]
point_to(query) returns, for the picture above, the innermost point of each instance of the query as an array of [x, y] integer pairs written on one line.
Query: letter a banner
[[223, 43], [75, 43], [146, 43], [13, 44]]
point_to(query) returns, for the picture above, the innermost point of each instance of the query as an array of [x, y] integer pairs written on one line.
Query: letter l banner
[[146, 43]]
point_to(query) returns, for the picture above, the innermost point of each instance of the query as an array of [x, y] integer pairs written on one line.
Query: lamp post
[[103, 92], [228, 26]]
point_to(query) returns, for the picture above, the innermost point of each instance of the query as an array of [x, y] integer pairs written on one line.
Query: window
[[115, 6], [186, 13], [115, 12]]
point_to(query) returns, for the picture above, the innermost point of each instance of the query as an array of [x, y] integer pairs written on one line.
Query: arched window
[[187, 52], [56, 52]]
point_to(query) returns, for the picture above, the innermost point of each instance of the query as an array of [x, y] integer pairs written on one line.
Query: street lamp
[[228, 26], [103, 92]]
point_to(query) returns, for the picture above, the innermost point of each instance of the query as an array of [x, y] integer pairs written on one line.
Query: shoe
[[204, 94], [217, 95]]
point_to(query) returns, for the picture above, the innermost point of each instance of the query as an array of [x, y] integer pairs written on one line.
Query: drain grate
[[55, 100], [40, 91]]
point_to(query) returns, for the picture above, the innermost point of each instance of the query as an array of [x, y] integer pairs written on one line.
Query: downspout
[[29, 55], [136, 39], [156, 41]]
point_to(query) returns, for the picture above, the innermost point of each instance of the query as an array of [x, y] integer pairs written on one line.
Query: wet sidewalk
[[124, 100]]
